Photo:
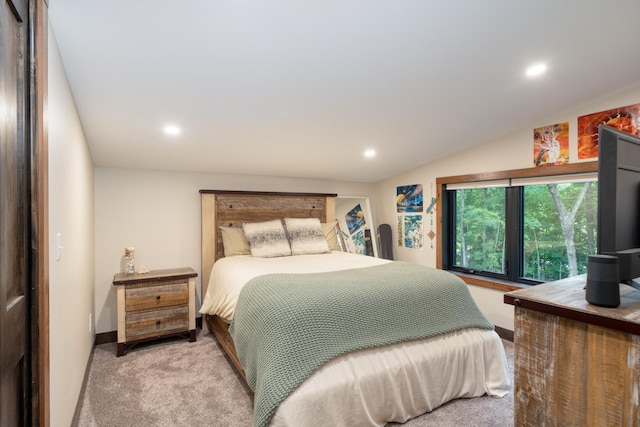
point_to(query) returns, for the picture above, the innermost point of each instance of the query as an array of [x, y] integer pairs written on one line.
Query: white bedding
[[375, 386], [398, 382], [229, 275]]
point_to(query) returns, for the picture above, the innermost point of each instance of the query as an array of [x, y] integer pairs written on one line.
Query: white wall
[[513, 151], [158, 213], [71, 286]]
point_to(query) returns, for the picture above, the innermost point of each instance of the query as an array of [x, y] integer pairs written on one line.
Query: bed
[[386, 379]]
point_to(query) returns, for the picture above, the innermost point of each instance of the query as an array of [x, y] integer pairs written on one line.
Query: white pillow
[[306, 236], [267, 239]]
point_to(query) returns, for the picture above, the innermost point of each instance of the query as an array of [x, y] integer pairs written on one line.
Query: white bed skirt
[[398, 382]]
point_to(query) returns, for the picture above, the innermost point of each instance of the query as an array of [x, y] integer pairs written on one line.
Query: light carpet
[[176, 383]]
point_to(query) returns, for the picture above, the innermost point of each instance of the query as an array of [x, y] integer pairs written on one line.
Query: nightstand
[[156, 304]]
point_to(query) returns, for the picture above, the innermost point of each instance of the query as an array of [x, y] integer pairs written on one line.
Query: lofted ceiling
[[302, 88]]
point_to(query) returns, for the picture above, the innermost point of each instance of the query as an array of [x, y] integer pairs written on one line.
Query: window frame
[[444, 204]]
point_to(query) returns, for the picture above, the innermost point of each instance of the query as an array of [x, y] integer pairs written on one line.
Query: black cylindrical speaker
[[603, 281]]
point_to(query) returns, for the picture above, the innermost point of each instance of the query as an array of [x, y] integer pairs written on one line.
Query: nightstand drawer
[[144, 297], [152, 323]]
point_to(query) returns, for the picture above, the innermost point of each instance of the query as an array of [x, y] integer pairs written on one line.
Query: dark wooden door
[[15, 361]]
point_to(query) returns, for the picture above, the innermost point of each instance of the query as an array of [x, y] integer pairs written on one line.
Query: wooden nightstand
[[156, 304]]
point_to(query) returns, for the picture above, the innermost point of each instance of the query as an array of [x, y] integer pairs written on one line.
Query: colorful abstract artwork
[[551, 145], [355, 219], [626, 119], [409, 198], [413, 232], [359, 242]]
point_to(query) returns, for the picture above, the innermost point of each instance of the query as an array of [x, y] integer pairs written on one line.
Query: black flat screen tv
[[619, 196]]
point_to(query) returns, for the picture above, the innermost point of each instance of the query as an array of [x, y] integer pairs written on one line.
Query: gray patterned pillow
[[267, 239], [306, 236]]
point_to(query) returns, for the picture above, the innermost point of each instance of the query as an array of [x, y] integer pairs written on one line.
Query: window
[[529, 229], [559, 229], [479, 233]]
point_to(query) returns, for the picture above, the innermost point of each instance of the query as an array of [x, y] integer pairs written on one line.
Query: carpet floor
[[175, 383]]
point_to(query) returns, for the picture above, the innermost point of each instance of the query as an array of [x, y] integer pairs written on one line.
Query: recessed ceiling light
[[370, 153], [172, 130], [536, 70]]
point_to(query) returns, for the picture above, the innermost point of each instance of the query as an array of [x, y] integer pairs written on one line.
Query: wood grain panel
[[143, 297], [550, 353], [221, 331], [154, 276], [569, 363], [612, 384], [530, 355], [269, 203], [571, 373], [40, 211], [259, 215], [153, 323]]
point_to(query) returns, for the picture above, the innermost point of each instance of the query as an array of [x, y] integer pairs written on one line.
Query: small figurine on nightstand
[[129, 260]]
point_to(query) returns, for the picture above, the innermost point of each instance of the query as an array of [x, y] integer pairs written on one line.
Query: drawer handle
[[157, 297], [158, 322]]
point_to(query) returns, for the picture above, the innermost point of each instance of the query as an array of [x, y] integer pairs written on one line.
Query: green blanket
[[287, 325]]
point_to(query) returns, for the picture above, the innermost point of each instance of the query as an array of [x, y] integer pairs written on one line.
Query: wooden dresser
[[576, 364], [155, 304]]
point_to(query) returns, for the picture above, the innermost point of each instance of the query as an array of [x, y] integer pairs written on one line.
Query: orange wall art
[[551, 145], [626, 119]]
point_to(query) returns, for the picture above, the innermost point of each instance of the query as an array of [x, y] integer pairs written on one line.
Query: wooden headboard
[[232, 208]]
